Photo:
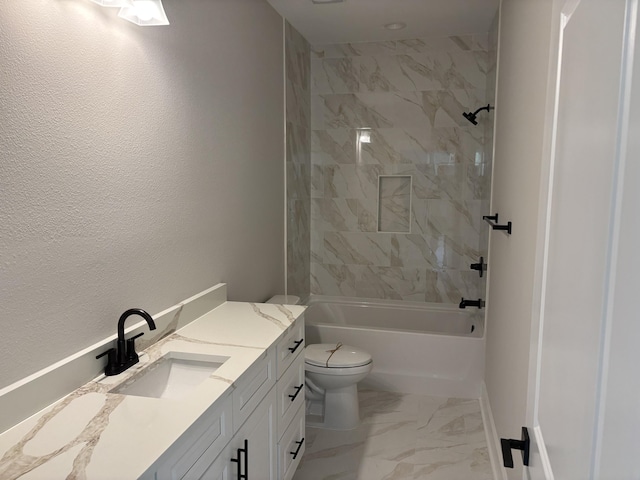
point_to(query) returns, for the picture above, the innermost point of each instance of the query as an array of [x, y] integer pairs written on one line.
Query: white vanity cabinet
[[289, 347], [250, 454], [256, 432], [290, 400], [291, 446], [212, 432]]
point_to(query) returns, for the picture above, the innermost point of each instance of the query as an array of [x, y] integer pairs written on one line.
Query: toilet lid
[[345, 356]]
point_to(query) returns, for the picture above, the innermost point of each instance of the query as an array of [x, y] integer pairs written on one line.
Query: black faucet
[[471, 303], [124, 355]]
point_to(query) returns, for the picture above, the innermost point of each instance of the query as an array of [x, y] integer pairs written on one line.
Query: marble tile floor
[[402, 436]]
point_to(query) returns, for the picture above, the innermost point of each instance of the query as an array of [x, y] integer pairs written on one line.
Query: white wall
[[138, 166], [523, 68]]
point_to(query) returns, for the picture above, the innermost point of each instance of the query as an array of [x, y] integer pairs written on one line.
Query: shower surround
[[298, 160], [394, 109]]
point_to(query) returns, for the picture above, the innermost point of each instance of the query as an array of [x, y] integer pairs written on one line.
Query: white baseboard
[[493, 441]]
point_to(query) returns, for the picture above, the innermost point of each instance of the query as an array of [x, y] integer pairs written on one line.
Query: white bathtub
[[429, 349]]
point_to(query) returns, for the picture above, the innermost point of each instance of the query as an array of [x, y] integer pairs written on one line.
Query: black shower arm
[[488, 108]]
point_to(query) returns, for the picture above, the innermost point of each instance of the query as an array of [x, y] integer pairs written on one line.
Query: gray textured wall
[[138, 166]]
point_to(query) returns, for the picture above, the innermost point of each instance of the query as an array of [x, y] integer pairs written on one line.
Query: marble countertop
[[95, 434]]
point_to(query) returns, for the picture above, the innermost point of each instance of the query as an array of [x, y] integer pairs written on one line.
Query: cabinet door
[[289, 346], [252, 449], [252, 387], [220, 469], [259, 462], [290, 393], [208, 435], [291, 446]]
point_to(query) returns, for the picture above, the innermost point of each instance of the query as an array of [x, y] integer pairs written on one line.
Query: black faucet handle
[[112, 361], [111, 352], [131, 346]]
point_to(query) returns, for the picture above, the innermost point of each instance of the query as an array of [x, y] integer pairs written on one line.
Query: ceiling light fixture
[[395, 26], [145, 13], [319, 2]]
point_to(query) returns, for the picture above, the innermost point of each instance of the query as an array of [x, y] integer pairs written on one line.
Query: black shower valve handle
[[480, 266]]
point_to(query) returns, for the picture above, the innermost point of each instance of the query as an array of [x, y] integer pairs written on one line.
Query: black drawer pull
[[295, 454], [298, 389], [298, 343], [240, 451]]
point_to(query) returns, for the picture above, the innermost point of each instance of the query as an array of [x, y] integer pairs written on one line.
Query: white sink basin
[[172, 376]]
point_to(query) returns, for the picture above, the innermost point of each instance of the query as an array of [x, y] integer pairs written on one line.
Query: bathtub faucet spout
[[471, 303]]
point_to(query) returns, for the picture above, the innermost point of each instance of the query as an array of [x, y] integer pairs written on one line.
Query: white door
[[568, 402]]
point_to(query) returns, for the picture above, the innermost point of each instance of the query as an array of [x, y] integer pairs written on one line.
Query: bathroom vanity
[[245, 419], [256, 431]]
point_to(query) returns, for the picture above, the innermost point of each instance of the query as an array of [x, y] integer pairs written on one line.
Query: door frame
[[560, 8]]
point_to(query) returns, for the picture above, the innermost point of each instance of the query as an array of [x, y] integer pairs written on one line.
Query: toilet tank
[[284, 300]]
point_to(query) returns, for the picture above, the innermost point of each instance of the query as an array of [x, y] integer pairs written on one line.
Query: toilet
[[332, 373]]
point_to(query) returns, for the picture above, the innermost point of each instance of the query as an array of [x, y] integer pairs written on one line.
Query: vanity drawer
[[212, 431], [290, 346], [291, 446], [290, 393], [252, 387]]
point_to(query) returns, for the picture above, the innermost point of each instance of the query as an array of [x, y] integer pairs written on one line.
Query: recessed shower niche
[[394, 203]]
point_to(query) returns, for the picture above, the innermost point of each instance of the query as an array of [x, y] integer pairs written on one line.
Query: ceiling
[[363, 20]]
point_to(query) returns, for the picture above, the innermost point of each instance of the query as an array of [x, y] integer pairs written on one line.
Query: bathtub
[[429, 349]]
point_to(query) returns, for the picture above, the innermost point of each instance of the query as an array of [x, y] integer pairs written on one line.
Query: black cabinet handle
[[245, 464], [298, 389], [298, 343], [508, 444], [246, 459], [295, 454]]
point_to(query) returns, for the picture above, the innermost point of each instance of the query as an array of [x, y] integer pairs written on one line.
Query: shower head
[[472, 116]]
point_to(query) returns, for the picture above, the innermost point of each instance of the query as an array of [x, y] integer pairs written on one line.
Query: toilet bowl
[[332, 373]]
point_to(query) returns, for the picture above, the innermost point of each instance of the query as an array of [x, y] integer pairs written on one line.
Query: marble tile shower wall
[[298, 160], [395, 108]]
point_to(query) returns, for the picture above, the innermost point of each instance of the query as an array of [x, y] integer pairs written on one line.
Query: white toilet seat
[[337, 370], [335, 356]]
